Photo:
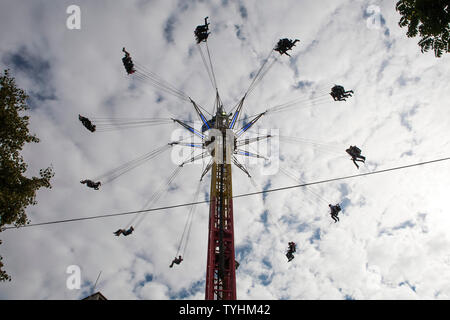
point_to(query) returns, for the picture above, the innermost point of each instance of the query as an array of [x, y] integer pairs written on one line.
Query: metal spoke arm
[[195, 158], [251, 140], [237, 113], [208, 167], [240, 166], [249, 125], [189, 128], [249, 154], [187, 144], [200, 114]]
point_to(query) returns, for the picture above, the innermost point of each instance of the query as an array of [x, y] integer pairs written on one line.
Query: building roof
[[95, 296]]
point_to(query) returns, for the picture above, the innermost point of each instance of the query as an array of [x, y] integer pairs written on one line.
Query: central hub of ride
[[218, 134]]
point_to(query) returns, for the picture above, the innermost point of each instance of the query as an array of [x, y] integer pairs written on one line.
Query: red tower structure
[[220, 139], [221, 266]]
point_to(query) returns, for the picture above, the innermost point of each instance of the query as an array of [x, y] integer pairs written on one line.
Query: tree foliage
[[16, 190], [430, 19]]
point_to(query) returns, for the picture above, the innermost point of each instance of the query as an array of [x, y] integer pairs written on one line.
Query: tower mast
[[220, 266]]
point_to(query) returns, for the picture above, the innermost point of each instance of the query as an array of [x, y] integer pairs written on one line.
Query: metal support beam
[[250, 124], [189, 128]]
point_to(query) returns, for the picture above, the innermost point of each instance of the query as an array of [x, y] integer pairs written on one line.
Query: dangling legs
[[363, 158]]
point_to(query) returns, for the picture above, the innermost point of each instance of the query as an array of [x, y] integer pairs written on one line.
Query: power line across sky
[[235, 197]]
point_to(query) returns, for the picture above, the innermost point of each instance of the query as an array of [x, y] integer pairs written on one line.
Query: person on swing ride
[[284, 45], [201, 32], [291, 250], [339, 94], [176, 261], [124, 232], [355, 153], [91, 184], [128, 63], [87, 123], [334, 212]]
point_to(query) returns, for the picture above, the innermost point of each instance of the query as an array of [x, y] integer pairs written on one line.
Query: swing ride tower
[[220, 139], [221, 266]]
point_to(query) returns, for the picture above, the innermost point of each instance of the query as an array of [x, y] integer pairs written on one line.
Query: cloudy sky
[[392, 240]]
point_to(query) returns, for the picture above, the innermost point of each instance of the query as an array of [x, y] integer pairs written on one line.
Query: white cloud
[[391, 241]]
